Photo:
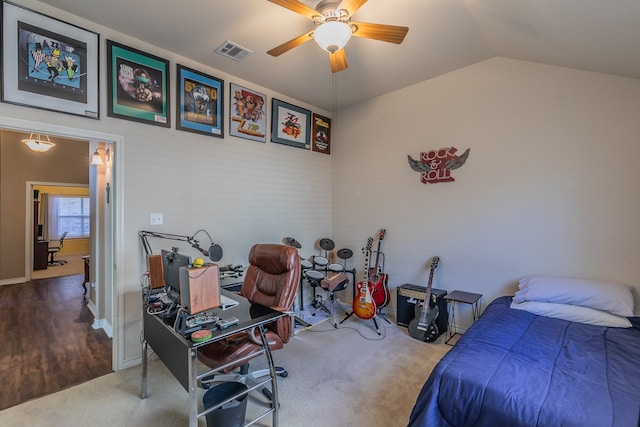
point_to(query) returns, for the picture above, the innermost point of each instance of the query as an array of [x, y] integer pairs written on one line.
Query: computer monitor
[[172, 260]]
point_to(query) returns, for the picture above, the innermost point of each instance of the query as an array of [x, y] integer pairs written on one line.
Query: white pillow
[[573, 313], [611, 297]]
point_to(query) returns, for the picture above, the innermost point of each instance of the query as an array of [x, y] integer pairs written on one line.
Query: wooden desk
[[180, 355], [40, 254]]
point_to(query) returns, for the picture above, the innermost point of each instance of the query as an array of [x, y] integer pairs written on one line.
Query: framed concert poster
[[290, 125], [321, 134], [138, 85], [48, 63], [200, 103], [248, 116]]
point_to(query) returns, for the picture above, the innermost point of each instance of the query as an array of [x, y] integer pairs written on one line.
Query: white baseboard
[[100, 323], [13, 281]]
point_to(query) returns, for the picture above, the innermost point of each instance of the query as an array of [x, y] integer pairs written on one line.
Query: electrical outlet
[[155, 219]]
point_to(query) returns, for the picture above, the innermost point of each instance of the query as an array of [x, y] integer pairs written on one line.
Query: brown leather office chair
[[55, 249], [270, 280]]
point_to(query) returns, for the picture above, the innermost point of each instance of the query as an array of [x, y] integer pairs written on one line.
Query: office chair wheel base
[[283, 374]]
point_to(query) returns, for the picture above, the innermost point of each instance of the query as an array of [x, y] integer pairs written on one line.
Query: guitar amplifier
[[407, 297]]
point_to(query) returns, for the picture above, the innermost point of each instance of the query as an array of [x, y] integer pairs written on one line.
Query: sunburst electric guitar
[[379, 280], [363, 304], [423, 326]]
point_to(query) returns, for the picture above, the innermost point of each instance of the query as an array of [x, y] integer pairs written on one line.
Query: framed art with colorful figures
[[138, 85], [200, 102], [321, 134], [248, 116], [49, 64], [290, 125]]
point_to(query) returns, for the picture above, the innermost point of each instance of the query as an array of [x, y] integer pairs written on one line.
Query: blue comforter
[[513, 368]]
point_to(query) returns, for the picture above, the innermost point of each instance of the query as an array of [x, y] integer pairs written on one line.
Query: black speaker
[[409, 295]]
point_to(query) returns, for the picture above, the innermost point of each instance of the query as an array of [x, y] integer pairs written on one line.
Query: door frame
[[113, 245]]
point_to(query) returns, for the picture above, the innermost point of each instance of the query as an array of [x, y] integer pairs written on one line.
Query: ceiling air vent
[[233, 51]]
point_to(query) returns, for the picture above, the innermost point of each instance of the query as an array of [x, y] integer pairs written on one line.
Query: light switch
[[155, 219]]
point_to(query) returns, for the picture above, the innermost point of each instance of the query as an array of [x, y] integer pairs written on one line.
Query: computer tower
[[407, 297]]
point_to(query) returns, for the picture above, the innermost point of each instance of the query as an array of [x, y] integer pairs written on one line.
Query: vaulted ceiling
[[444, 35]]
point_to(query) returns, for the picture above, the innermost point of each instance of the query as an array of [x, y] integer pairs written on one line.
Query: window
[[68, 213]]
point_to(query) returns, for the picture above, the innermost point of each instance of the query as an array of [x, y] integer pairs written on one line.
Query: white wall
[[240, 191], [550, 186]]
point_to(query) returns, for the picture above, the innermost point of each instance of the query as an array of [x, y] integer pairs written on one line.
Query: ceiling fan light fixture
[[332, 35]]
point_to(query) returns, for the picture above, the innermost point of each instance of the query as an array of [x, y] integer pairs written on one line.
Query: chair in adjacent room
[[55, 249], [271, 280]]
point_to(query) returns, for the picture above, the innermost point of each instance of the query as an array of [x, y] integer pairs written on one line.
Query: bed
[[514, 367]]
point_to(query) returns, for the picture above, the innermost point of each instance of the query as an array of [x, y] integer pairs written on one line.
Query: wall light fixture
[[96, 158]]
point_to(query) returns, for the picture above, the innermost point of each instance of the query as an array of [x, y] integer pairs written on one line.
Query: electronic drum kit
[[316, 270]]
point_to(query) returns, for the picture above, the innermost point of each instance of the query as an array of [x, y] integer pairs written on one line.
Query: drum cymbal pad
[[290, 241], [327, 244], [345, 253]]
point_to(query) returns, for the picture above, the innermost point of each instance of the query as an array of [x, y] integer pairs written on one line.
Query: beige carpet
[[348, 376], [74, 265]]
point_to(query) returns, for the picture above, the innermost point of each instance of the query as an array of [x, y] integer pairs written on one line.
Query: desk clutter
[[158, 303], [186, 294]]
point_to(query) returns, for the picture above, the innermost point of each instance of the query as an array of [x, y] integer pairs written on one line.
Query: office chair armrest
[[251, 333]]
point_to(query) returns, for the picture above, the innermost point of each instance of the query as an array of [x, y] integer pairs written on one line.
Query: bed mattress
[[514, 368]]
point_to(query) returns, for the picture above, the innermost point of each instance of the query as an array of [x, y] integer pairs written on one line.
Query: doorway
[[75, 244], [106, 247]]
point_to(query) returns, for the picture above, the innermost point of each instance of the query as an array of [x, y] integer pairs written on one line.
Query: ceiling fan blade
[[338, 61], [351, 5], [386, 33], [287, 46], [297, 7]]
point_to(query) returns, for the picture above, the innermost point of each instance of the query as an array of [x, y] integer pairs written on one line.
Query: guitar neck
[[365, 276], [427, 294], [380, 237], [367, 255]]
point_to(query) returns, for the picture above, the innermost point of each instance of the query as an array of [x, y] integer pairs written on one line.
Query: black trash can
[[230, 414]]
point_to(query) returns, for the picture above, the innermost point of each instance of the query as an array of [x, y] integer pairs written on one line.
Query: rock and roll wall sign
[[436, 165]]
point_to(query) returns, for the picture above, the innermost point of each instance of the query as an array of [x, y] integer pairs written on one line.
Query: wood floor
[[48, 343]]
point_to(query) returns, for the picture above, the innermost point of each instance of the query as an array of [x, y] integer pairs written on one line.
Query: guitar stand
[[382, 315], [374, 318]]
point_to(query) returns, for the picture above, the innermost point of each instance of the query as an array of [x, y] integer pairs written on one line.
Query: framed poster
[[138, 85], [48, 63], [290, 125], [247, 118], [200, 103], [321, 134]]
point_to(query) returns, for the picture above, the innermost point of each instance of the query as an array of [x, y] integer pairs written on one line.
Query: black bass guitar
[[423, 326]]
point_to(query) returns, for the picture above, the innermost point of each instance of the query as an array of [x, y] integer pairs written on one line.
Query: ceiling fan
[[334, 28]]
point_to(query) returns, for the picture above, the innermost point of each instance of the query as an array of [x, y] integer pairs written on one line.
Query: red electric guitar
[[363, 305], [379, 280]]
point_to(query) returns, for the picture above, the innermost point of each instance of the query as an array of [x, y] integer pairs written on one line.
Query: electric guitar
[[363, 304], [379, 281], [423, 326]]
